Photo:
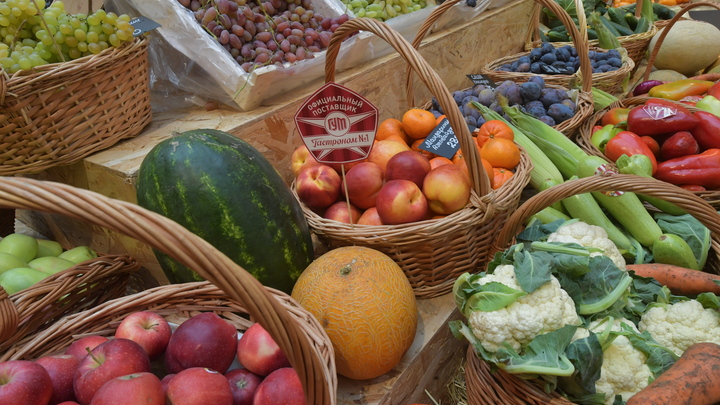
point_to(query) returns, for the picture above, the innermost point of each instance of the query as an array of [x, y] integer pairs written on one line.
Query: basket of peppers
[[666, 133]]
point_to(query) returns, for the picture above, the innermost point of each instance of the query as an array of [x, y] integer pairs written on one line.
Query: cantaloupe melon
[[689, 47]]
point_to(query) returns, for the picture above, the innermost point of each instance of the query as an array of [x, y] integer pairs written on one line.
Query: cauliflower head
[[624, 370], [546, 309], [589, 236], [678, 326]]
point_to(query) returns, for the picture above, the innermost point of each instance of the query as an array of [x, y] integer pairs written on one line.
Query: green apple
[[50, 264], [24, 247], [78, 254], [20, 278], [48, 248], [8, 261]]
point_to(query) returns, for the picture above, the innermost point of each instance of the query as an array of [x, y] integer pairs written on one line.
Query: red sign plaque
[[337, 125]]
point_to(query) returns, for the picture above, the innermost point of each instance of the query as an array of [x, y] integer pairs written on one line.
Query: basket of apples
[[435, 220], [40, 282], [124, 348]]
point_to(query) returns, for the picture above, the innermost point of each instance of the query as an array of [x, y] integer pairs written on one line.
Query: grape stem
[[62, 58], [17, 34]]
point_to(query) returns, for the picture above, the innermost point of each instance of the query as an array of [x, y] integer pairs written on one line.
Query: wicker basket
[[297, 332], [486, 387], [59, 113], [583, 139], [636, 44], [434, 252], [584, 101], [73, 290], [610, 82]]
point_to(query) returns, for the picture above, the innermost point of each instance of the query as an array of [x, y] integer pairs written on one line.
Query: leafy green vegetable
[[544, 355], [532, 269], [691, 230], [537, 231], [471, 296], [586, 355], [708, 300], [659, 358], [598, 289]]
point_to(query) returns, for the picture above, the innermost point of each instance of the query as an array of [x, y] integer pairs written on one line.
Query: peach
[[370, 217], [408, 165], [318, 186], [341, 211], [300, 159], [362, 183], [401, 201], [383, 150], [447, 189]]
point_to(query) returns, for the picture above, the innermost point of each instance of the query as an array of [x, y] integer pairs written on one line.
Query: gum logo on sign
[[337, 125]]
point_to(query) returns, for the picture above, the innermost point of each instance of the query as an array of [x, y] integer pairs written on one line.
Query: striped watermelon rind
[[225, 191]]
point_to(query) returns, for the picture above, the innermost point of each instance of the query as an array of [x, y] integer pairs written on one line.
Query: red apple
[[79, 347], [131, 389], [61, 369], [300, 159], [148, 329], [318, 186], [282, 386], [259, 353], [408, 165], [362, 183], [370, 217], [166, 381], [401, 201], [24, 382], [447, 189], [382, 151], [199, 386], [114, 358], [341, 212], [243, 384], [205, 340]]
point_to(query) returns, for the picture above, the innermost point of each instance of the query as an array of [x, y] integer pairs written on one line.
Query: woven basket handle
[[666, 29], [169, 237], [9, 317], [579, 39], [684, 199], [479, 179]]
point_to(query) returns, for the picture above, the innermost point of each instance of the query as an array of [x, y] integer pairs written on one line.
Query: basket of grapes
[[560, 65], [555, 105], [70, 84]]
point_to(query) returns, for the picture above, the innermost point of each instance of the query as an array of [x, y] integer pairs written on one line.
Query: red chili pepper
[[615, 116], [714, 90], [658, 116], [702, 169], [628, 143], [707, 132], [652, 144], [680, 88], [692, 187]]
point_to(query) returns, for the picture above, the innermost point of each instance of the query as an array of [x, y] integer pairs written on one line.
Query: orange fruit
[[438, 119], [493, 129], [418, 123], [366, 305], [416, 147], [501, 152], [439, 161], [391, 128], [499, 177]]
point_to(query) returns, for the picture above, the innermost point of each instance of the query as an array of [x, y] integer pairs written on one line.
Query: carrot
[[711, 77], [692, 380], [679, 280]]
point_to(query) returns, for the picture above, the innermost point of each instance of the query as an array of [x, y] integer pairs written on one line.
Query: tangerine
[[493, 129], [391, 128], [366, 305], [501, 152], [418, 123], [416, 147], [500, 176], [439, 161]]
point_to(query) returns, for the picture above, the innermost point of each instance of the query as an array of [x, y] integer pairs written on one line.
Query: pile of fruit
[[259, 33], [32, 34], [399, 182], [551, 105], [146, 362], [385, 9], [564, 60], [25, 260]]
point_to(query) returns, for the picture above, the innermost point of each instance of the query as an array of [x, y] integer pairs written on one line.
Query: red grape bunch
[[259, 33]]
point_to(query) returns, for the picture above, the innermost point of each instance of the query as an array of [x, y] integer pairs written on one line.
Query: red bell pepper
[[680, 88], [707, 132], [614, 116], [692, 187], [628, 143], [658, 116], [652, 144], [714, 90], [702, 169]]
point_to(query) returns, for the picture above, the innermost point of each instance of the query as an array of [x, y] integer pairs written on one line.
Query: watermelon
[[225, 191]]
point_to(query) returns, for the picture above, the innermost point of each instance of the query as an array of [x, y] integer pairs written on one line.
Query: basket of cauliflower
[[558, 318]]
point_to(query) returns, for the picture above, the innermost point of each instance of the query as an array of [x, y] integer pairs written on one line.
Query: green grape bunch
[[32, 34]]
